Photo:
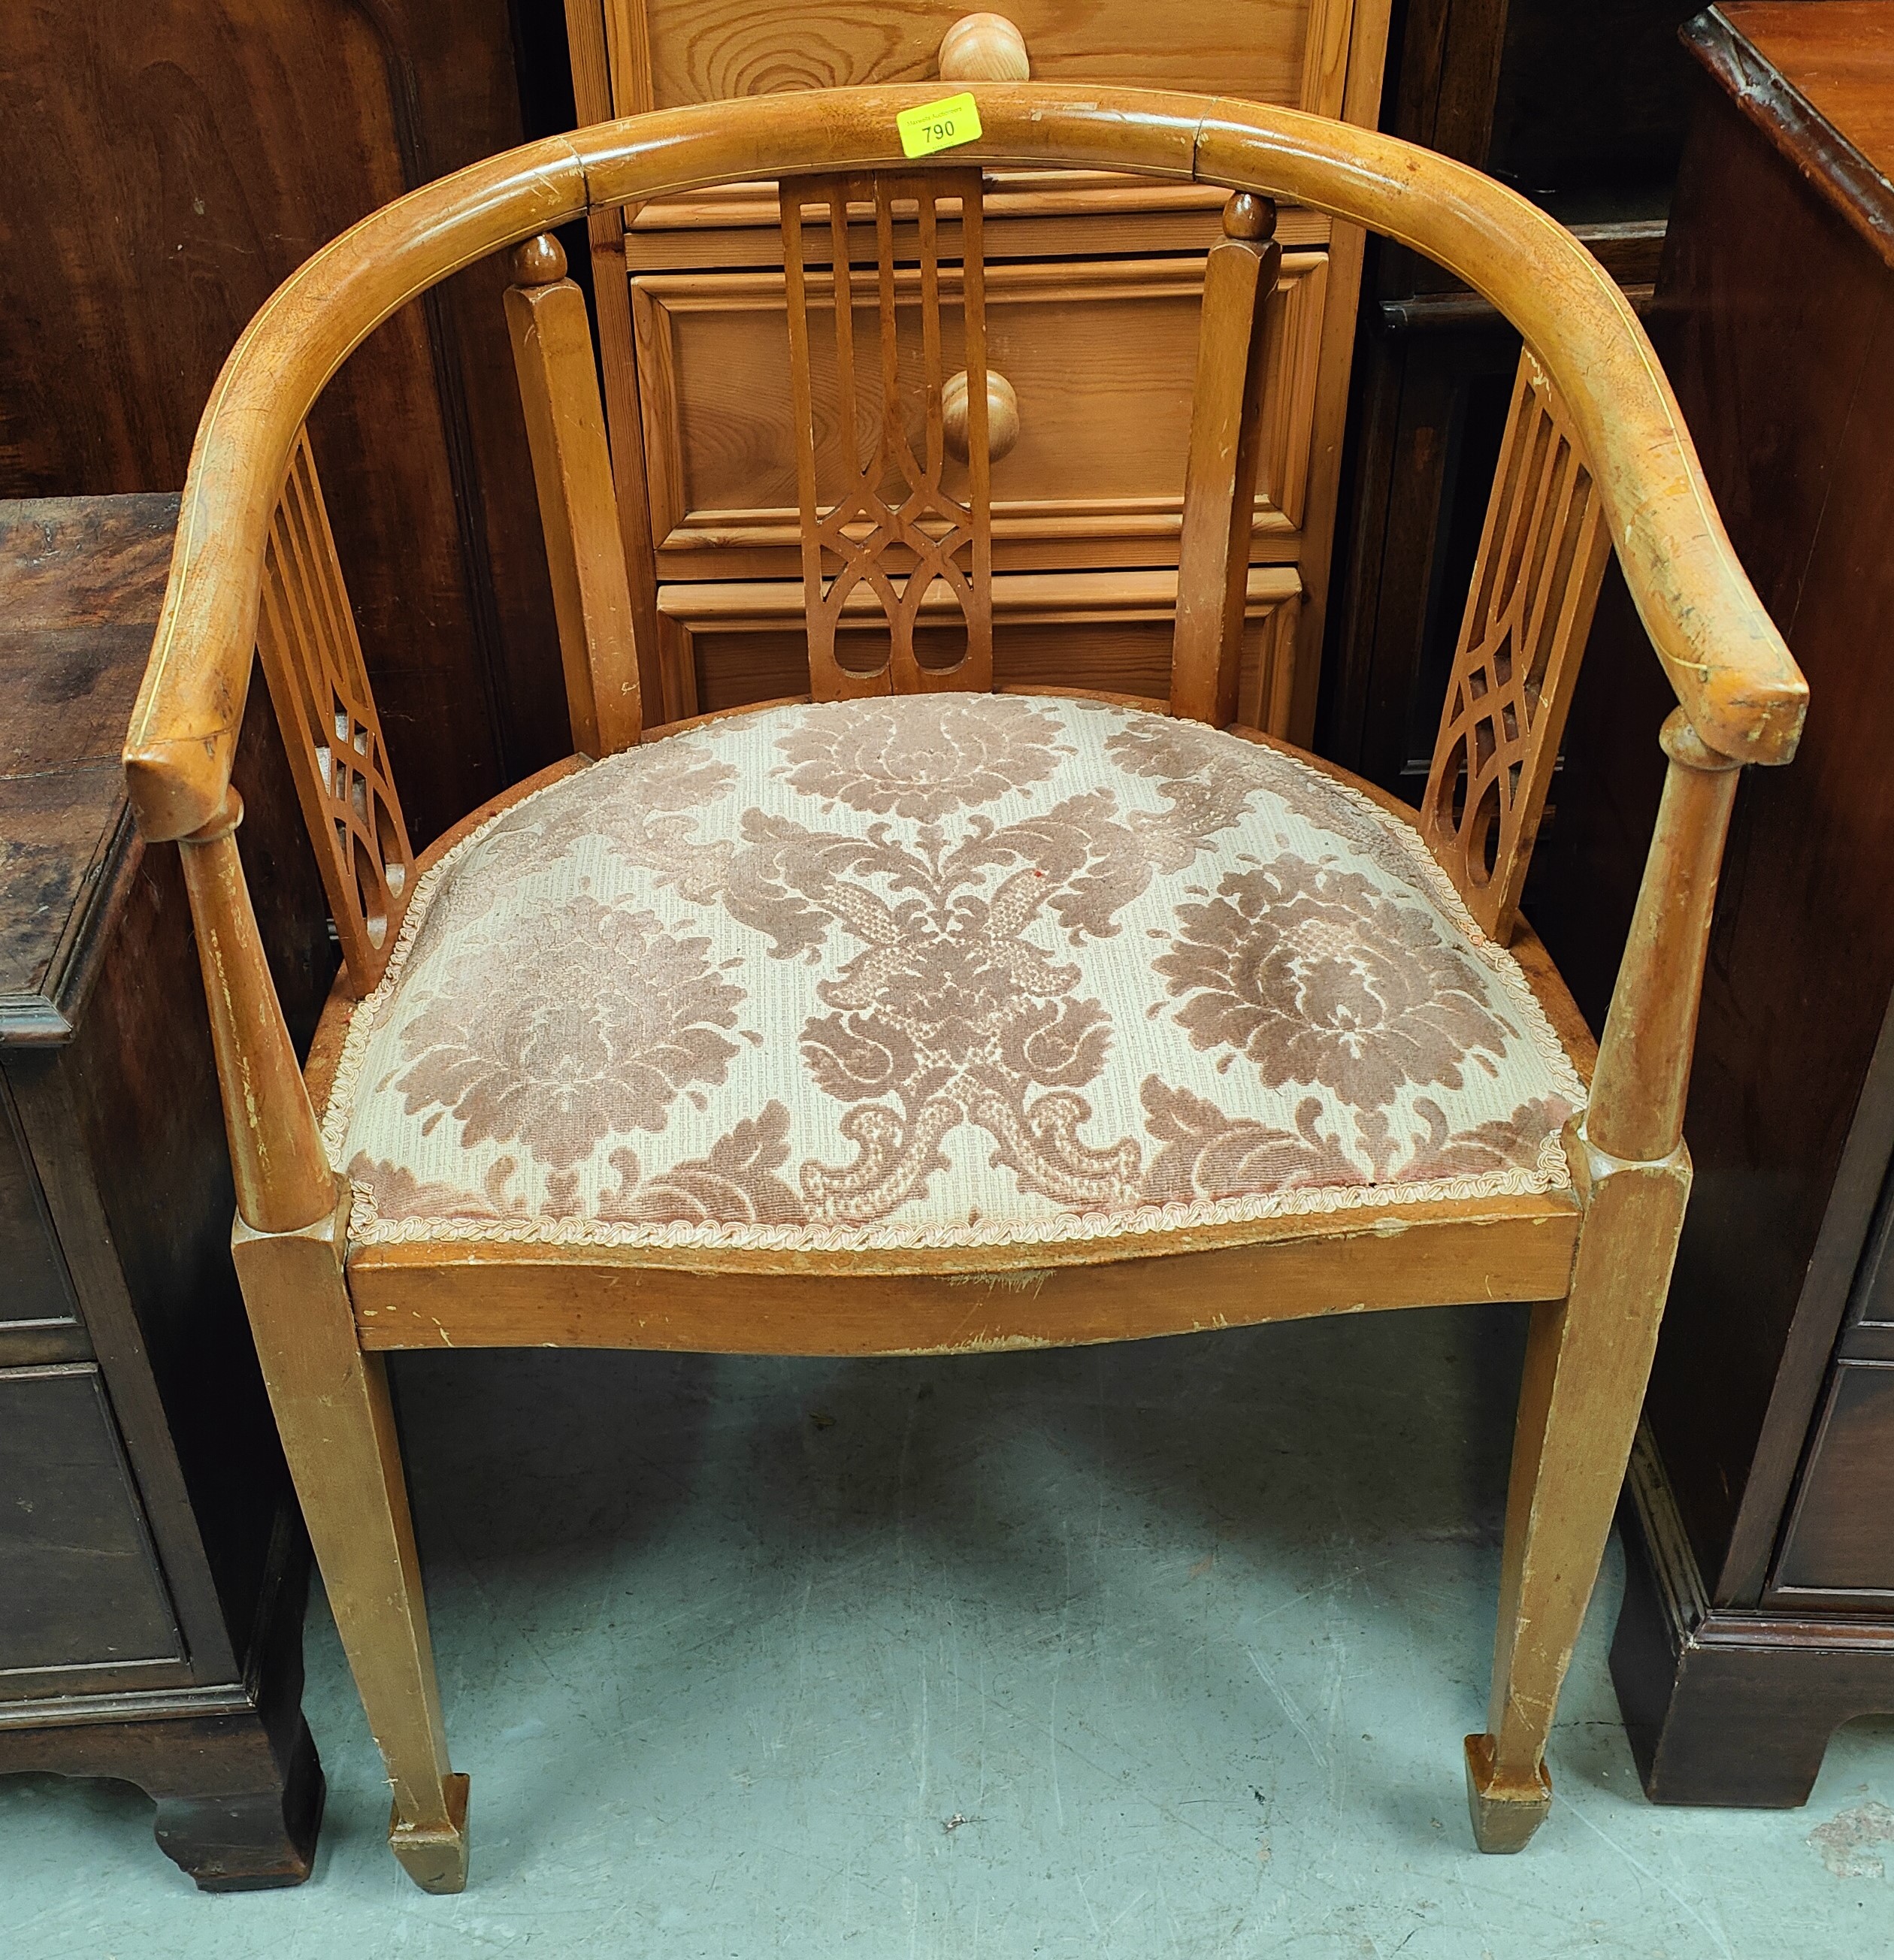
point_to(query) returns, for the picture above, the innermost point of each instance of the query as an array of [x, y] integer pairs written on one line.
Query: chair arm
[[190, 707], [1731, 670]]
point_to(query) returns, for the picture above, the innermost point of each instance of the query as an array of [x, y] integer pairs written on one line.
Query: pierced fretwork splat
[[312, 659], [1535, 583], [891, 525]]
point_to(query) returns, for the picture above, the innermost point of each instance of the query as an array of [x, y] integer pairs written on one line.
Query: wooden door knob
[[983, 47], [1002, 415]]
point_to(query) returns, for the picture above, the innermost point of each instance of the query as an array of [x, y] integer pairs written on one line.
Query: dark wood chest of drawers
[[1760, 1608], [152, 1565]]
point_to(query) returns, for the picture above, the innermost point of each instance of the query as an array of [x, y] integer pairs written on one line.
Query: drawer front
[[1110, 632], [1838, 1549], [706, 50], [81, 1598], [1102, 356], [38, 1317]]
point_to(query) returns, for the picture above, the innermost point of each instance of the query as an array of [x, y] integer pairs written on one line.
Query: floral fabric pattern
[[970, 750], [567, 1053], [943, 970]]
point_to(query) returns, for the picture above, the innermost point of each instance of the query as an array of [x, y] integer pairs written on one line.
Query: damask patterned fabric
[[948, 970]]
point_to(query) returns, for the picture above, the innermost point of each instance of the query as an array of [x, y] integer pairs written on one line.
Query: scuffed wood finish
[[1587, 1358], [332, 1408], [1220, 479], [416, 1296], [1534, 585], [1724, 658], [80, 582], [1644, 1061], [888, 497], [283, 1178], [319, 686], [578, 510], [1589, 1355], [1747, 1635]]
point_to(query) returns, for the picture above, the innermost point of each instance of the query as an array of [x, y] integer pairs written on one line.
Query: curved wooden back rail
[[1731, 671]]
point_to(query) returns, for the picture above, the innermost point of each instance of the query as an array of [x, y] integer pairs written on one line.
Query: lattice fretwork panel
[[873, 463], [1535, 583], [312, 658]]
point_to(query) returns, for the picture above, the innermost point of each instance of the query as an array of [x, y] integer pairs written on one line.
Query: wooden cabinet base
[[234, 1769], [1724, 1706], [153, 1565]]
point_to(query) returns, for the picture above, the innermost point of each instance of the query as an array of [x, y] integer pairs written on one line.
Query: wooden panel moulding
[[742, 644], [1028, 215]]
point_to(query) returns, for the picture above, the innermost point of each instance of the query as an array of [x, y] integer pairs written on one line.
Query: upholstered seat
[[940, 971]]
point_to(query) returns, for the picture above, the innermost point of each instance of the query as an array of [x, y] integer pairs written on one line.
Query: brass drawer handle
[[983, 47], [1002, 415]]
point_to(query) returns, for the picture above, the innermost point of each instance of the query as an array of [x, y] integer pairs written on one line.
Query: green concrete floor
[[1153, 1650]]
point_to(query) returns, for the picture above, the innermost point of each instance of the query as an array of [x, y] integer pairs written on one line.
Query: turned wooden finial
[[539, 262], [1248, 216], [983, 47]]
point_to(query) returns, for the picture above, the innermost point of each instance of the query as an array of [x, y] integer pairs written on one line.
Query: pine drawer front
[[665, 53], [731, 644], [1101, 353]]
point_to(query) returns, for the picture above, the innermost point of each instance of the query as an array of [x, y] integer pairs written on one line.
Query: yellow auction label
[[938, 125]]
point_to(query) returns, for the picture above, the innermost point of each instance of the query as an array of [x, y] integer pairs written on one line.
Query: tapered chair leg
[[1587, 1359], [332, 1408]]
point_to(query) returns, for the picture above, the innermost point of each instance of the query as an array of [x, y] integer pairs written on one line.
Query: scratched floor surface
[[1146, 1651]]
